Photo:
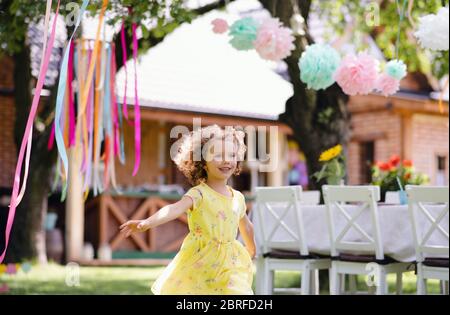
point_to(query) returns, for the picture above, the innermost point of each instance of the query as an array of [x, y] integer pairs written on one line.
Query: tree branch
[[152, 40], [213, 6]]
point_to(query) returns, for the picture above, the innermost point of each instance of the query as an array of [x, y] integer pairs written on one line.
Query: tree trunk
[[28, 234], [319, 119]]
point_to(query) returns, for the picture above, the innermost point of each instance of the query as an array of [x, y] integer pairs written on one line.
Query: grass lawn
[[51, 279]]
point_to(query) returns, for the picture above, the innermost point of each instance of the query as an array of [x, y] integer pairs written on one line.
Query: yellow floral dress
[[211, 260]]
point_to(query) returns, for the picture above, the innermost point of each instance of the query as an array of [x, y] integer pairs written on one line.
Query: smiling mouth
[[225, 169]]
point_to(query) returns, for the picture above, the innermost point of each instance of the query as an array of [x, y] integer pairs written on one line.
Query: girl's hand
[[251, 252], [134, 226]]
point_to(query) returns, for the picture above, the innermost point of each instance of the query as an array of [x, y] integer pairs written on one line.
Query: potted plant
[[394, 175], [333, 169]]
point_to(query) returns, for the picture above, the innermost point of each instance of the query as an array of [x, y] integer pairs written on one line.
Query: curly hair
[[195, 142]]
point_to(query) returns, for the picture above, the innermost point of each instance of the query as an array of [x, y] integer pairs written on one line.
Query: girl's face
[[221, 159]]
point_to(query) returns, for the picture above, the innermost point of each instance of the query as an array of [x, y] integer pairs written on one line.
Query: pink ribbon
[[29, 126], [124, 61], [71, 99], [137, 111], [51, 138], [115, 113]]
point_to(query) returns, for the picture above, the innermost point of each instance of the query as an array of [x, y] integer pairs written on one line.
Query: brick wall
[[419, 137], [430, 140], [7, 113], [382, 127]]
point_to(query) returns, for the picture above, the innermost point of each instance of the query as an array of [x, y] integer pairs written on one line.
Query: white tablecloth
[[395, 225]]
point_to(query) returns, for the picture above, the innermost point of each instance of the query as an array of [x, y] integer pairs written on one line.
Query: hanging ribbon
[[94, 59], [35, 103], [51, 139], [59, 102], [124, 61], [70, 97], [30, 137], [90, 126], [95, 126], [118, 117], [137, 112], [107, 118]]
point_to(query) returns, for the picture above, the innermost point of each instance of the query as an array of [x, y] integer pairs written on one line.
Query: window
[[367, 156], [441, 162]]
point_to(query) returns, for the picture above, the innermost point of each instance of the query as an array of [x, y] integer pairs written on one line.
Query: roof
[[195, 70]]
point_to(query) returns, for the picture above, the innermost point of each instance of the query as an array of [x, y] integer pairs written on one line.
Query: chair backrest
[[365, 199], [311, 197], [428, 209], [280, 224]]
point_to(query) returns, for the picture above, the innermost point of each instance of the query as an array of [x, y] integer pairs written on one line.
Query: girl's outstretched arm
[[164, 215], [248, 235]]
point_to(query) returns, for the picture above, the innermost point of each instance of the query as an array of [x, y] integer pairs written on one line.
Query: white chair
[[281, 241], [363, 254], [432, 259]]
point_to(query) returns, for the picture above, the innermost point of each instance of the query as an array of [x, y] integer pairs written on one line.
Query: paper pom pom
[[273, 41], [220, 26], [396, 69], [318, 65], [387, 85], [433, 30], [243, 33], [357, 74]]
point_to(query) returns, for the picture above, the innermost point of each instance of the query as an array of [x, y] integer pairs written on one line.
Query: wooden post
[[278, 176], [74, 208], [251, 162]]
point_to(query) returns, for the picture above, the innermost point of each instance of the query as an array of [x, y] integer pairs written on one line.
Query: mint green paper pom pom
[[243, 33], [396, 69], [317, 66]]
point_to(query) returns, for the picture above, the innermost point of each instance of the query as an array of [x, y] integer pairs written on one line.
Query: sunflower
[[330, 153]]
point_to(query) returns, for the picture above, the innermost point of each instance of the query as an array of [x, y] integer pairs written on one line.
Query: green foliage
[[337, 13], [17, 14]]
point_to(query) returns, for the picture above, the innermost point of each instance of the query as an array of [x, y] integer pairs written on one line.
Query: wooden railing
[[115, 209], [111, 207]]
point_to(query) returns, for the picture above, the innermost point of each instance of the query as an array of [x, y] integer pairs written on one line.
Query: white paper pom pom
[[433, 32]]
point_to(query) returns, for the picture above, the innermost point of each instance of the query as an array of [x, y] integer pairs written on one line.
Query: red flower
[[407, 163], [395, 159], [384, 166], [407, 176]]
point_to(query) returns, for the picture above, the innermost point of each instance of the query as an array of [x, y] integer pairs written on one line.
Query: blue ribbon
[[60, 99]]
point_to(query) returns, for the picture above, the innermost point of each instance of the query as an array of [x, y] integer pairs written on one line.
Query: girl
[[211, 260]]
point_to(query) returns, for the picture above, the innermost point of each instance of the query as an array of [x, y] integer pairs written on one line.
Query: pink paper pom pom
[[358, 74], [274, 42], [220, 26], [387, 85]]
